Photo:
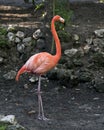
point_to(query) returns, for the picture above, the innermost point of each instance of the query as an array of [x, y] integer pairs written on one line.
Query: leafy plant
[[3, 31], [62, 8], [3, 126], [3, 40], [39, 6], [64, 36]]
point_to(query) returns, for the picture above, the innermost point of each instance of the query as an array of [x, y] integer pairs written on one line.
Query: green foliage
[[3, 126], [39, 6], [3, 31], [64, 36], [101, 1], [62, 8], [3, 40]]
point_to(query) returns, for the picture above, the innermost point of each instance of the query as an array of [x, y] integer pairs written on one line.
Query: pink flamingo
[[43, 62]]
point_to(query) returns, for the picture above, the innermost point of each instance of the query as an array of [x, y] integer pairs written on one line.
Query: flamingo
[[41, 63]]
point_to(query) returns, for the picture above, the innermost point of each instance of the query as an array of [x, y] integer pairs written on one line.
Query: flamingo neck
[[57, 41]]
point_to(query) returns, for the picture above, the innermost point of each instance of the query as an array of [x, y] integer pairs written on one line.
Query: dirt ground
[[80, 108]]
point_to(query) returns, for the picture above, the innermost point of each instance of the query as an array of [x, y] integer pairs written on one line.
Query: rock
[[10, 36], [20, 48], [27, 39], [99, 33], [86, 49], [65, 76], [99, 81], [75, 37], [15, 127], [10, 75], [31, 112], [69, 64], [97, 58], [20, 34], [85, 106], [52, 74], [8, 119], [38, 1], [10, 122], [40, 44], [70, 52], [81, 51], [1, 116], [84, 75], [89, 41], [3, 54], [33, 79], [99, 86], [98, 43], [78, 62], [37, 34], [1, 60], [10, 28], [17, 40]]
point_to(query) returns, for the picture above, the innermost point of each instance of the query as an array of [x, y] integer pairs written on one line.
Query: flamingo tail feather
[[21, 71]]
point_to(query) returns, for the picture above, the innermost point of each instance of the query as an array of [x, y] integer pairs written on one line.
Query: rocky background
[[81, 64]]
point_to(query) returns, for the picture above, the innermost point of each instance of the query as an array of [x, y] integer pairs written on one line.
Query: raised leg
[[40, 103]]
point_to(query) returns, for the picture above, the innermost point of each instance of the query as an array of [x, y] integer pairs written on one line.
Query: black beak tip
[[64, 23]]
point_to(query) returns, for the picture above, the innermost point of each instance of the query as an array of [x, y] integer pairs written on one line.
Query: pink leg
[[40, 103]]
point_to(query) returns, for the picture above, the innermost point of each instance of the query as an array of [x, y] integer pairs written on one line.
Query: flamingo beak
[[64, 23], [62, 20]]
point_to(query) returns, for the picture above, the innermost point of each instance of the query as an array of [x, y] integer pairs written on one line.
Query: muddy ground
[[79, 108]]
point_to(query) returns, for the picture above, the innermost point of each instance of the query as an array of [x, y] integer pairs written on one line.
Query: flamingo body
[[38, 64]]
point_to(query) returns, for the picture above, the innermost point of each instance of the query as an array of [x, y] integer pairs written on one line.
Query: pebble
[[86, 48], [96, 98], [75, 37], [33, 79], [1, 60], [99, 33], [70, 52]]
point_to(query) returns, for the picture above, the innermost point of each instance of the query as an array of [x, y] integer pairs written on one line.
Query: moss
[[3, 40], [3, 126], [3, 31]]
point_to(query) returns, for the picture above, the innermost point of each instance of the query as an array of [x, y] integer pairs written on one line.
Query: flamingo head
[[59, 18]]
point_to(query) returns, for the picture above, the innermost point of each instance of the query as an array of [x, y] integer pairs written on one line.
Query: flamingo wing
[[40, 63]]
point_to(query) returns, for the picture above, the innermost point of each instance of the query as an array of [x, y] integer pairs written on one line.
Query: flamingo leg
[[40, 102]]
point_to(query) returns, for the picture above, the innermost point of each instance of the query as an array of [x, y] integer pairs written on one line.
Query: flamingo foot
[[43, 118]]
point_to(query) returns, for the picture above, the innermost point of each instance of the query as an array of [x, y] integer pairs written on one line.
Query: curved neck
[[57, 41]]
